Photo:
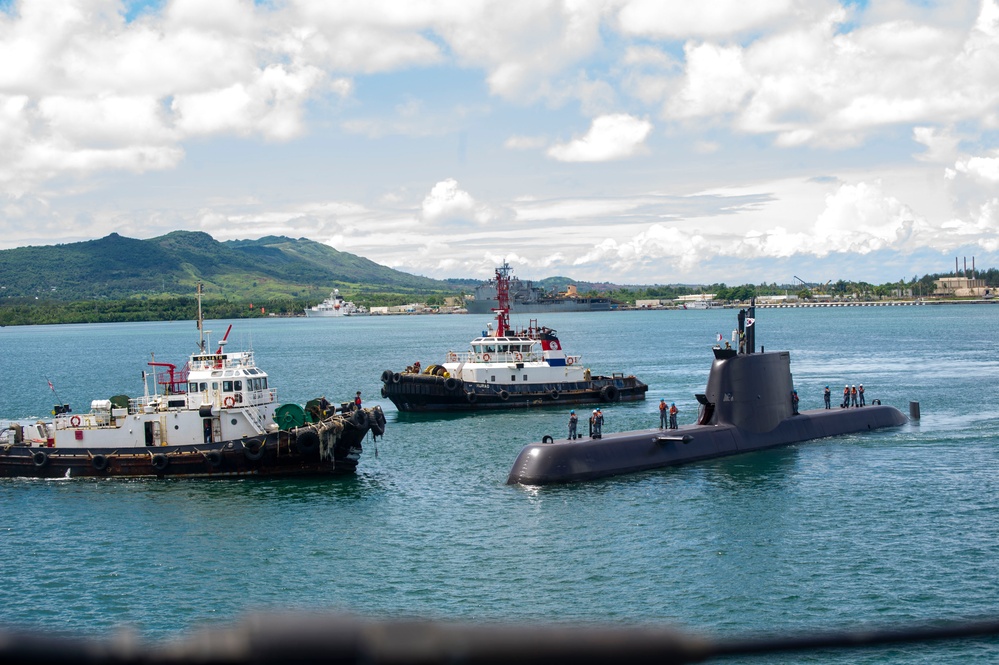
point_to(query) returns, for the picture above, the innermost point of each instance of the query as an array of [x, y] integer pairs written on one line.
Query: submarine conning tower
[[749, 390]]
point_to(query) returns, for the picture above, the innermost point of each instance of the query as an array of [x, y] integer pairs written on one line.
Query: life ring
[[40, 458], [160, 461], [485, 357], [547, 439], [518, 357], [75, 421], [214, 458], [570, 360], [553, 394], [307, 442], [451, 384], [504, 395], [99, 461], [253, 449], [229, 402]]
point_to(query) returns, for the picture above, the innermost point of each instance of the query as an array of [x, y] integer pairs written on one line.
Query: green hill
[[271, 268]]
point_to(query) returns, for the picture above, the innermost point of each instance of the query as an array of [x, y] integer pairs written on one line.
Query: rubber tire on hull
[[396, 377], [451, 384], [214, 458], [360, 419], [504, 395], [40, 458], [253, 449], [160, 461], [609, 393], [307, 442], [99, 462], [386, 376], [471, 397]]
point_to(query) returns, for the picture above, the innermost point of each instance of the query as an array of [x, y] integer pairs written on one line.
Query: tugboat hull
[[308, 451], [423, 392]]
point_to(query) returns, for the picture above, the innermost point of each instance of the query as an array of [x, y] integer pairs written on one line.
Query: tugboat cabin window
[[513, 377], [493, 378]]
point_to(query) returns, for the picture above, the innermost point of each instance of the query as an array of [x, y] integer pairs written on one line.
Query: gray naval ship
[[748, 405], [525, 298]]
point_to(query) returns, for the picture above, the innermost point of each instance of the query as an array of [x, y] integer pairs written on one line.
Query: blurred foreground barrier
[[321, 638]]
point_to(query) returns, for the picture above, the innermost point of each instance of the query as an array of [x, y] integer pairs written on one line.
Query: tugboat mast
[[502, 299], [201, 322]]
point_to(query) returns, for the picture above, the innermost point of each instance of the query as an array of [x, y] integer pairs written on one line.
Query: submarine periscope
[[746, 406]]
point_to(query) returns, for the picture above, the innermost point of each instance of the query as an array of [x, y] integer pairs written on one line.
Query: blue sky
[[633, 141]]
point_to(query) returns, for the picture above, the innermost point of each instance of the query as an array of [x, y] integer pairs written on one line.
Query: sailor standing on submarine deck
[[572, 424]]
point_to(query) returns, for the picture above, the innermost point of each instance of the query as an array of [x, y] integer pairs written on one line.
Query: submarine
[[748, 405]]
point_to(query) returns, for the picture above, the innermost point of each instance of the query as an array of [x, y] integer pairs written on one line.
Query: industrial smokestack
[[966, 266], [956, 271]]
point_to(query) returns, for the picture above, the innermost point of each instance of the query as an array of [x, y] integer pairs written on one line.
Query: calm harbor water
[[889, 527]]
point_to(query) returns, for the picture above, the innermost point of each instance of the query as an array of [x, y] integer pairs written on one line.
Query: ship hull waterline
[[422, 393], [274, 455]]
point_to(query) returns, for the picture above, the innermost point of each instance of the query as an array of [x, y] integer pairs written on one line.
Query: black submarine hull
[[748, 405], [565, 461]]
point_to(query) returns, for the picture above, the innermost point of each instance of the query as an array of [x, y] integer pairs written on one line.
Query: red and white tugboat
[[216, 417], [506, 368]]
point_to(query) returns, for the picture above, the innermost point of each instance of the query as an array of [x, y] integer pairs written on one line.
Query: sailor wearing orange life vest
[[853, 396], [672, 415], [663, 412], [846, 397]]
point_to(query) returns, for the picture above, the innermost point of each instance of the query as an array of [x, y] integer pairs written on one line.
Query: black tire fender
[[307, 442], [160, 461], [396, 377], [386, 376], [99, 461], [360, 419], [253, 449], [451, 383], [547, 439], [40, 458], [471, 397], [214, 458], [504, 395], [609, 393]]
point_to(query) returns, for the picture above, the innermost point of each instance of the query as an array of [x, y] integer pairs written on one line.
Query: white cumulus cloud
[[610, 137]]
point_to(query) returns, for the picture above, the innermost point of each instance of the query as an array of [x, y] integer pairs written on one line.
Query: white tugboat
[[506, 368], [335, 305], [215, 417]]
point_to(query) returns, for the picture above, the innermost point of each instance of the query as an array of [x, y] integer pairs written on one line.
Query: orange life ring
[[75, 421], [229, 402], [518, 357], [485, 357], [570, 360]]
